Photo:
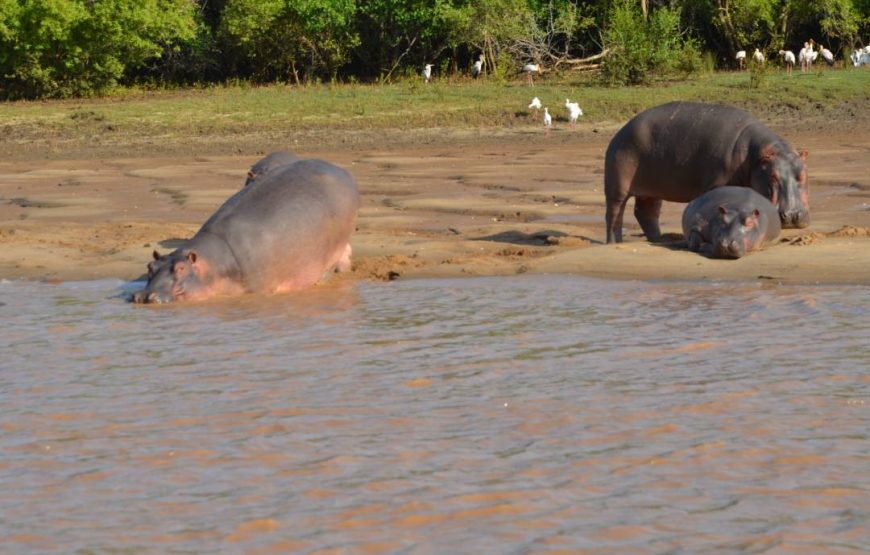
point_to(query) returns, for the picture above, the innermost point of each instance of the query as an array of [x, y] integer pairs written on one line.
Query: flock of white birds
[[529, 70], [573, 108], [806, 56]]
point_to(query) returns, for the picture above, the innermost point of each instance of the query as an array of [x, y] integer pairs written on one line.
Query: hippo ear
[[191, 257], [804, 154], [156, 255]]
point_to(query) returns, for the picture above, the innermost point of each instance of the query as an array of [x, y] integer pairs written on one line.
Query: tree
[[513, 32], [54, 48], [395, 32], [639, 48], [283, 39]]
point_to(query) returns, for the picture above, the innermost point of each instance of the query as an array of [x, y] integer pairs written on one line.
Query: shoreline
[[489, 208]]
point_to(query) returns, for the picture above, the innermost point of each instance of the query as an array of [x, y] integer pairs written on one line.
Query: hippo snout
[[729, 248], [795, 219], [146, 297]]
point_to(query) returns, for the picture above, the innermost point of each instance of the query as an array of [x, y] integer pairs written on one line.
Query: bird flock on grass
[[806, 57], [573, 108], [861, 57]]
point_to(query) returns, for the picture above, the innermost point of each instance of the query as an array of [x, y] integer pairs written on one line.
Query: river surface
[[535, 414]]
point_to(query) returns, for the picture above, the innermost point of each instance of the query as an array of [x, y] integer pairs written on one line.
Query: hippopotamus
[[268, 163], [729, 222], [680, 150], [282, 232]]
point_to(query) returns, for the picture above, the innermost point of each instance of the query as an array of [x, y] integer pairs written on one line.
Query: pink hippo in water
[[281, 232]]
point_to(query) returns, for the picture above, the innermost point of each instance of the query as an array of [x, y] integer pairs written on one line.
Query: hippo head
[[172, 277], [781, 176], [737, 232]]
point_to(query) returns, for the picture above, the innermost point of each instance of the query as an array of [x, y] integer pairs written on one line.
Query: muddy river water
[[545, 414]]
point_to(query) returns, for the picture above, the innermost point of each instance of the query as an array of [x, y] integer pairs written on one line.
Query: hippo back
[[679, 150], [269, 163], [290, 221]]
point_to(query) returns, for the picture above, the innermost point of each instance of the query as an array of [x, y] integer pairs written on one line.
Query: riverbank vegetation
[[79, 48], [231, 118]]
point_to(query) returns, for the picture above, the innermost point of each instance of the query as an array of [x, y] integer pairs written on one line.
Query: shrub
[[56, 48], [641, 48]]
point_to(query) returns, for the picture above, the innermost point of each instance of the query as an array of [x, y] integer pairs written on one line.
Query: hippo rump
[[280, 233], [680, 150], [729, 222], [270, 162]]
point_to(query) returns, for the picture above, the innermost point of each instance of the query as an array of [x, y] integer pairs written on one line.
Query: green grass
[[156, 120]]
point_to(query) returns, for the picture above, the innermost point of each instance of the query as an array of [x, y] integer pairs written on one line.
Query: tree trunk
[[727, 26]]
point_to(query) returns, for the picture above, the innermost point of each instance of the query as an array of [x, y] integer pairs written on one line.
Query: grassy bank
[[248, 119]]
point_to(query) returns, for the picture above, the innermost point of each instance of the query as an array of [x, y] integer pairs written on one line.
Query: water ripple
[[515, 415]]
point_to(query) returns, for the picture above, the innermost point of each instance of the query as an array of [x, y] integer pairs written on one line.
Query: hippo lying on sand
[[678, 151], [268, 163], [280, 233], [729, 222]]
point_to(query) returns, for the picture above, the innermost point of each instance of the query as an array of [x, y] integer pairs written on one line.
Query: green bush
[[641, 48], [57, 48]]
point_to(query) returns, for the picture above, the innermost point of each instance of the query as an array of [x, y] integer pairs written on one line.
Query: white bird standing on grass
[[860, 57], [427, 72], [807, 56], [788, 59], [828, 56], [529, 70], [536, 104], [574, 110], [741, 58], [758, 56], [477, 68], [548, 120]]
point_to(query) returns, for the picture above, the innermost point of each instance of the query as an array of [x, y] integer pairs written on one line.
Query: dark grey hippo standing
[[270, 162], [730, 222], [680, 150], [280, 233]]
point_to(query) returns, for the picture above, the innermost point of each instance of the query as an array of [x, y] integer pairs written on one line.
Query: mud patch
[[384, 268], [176, 196], [847, 231], [804, 240], [516, 252], [850, 231], [25, 202], [568, 241], [538, 238]]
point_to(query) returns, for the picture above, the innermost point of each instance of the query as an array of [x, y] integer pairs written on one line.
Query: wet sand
[[491, 207]]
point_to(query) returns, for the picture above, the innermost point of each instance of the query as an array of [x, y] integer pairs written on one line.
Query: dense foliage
[[58, 48], [642, 46]]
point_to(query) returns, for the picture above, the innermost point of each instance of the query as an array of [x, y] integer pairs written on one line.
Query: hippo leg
[[695, 241], [613, 219], [647, 211]]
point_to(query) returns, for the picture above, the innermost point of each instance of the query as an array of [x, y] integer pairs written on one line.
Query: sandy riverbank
[[491, 207]]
